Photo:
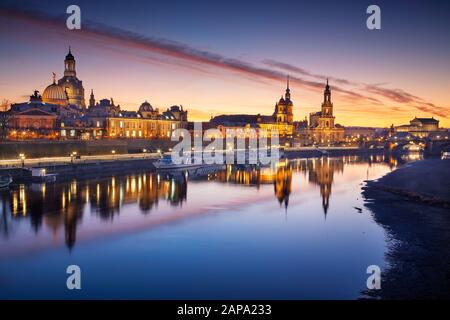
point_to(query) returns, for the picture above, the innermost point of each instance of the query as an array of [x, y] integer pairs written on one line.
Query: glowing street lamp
[[22, 158], [72, 155]]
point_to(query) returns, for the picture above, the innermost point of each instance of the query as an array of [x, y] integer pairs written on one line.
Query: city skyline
[[213, 74]]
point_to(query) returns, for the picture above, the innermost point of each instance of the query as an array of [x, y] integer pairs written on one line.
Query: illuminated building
[[146, 123], [281, 121], [71, 85], [420, 127], [33, 119], [322, 129], [61, 113]]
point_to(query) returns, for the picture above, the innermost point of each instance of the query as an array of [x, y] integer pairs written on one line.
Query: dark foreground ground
[[412, 205]]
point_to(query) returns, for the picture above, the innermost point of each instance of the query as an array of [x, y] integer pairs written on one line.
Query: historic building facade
[[420, 127], [281, 121], [322, 128], [61, 113], [146, 122], [33, 119]]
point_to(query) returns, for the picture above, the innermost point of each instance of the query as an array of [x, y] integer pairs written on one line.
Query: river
[[299, 230]]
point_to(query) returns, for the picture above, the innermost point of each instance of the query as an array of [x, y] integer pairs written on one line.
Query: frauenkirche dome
[[54, 94]]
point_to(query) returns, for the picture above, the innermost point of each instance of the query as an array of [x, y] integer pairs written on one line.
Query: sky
[[225, 57]]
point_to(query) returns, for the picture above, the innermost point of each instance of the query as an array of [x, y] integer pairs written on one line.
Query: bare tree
[[5, 114]]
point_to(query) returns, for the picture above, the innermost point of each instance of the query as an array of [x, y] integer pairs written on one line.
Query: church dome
[[54, 94], [146, 107]]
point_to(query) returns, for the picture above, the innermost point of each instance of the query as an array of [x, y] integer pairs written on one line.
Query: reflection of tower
[[282, 185], [150, 193], [322, 173]]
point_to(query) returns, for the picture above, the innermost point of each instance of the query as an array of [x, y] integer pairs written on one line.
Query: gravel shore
[[412, 205]]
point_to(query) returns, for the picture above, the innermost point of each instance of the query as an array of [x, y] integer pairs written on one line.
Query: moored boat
[[5, 181]]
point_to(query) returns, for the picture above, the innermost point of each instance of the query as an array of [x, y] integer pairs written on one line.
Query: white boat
[[166, 163], [5, 181], [41, 175]]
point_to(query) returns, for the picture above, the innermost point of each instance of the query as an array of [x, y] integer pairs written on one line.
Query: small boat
[[41, 175], [5, 181]]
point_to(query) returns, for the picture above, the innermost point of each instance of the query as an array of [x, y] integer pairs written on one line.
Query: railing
[[54, 161]]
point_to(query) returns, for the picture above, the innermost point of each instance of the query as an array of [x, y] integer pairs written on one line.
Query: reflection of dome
[[146, 107], [54, 94]]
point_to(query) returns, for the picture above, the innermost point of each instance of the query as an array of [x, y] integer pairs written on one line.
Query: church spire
[[69, 65], [287, 96], [327, 93], [92, 99]]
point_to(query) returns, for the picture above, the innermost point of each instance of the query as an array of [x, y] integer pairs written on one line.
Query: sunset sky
[[221, 57]]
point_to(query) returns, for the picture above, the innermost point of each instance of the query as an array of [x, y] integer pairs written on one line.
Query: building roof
[[426, 120], [54, 93], [235, 118]]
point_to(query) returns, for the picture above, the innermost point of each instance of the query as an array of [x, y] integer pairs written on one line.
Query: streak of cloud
[[184, 55]]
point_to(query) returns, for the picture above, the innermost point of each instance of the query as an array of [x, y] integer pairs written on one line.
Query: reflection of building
[[322, 128], [281, 178], [280, 121], [321, 172], [60, 206], [283, 184], [421, 127]]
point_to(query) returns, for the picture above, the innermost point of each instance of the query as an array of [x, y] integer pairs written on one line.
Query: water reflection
[[61, 206]]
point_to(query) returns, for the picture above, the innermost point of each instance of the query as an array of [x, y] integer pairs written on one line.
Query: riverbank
[[411, 204], [67, 167]]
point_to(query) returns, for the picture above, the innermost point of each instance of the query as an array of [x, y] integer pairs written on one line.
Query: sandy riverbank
[[412, 205]]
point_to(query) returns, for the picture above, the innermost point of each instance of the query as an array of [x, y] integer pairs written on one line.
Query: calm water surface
[[299, 230]]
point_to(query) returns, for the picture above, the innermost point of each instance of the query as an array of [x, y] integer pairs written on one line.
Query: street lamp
[[72, 155], [22, 158]]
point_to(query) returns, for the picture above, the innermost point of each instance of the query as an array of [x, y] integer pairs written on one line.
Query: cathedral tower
[[71, 84], [326, 119], [284, 108], [92, 99]]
